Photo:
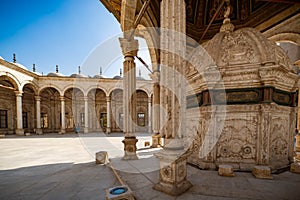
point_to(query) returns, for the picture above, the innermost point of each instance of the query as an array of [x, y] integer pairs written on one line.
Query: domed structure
[[98, 76], [117, 77], [78, 76], [254, 84], [20, 65], [55, 74]]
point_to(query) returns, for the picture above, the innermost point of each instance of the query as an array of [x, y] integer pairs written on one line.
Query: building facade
[[33, 103]]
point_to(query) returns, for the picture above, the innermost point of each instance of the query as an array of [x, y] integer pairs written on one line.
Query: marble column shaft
[[86, 115], [63, 124], [108, 111], [129, 50], [38, 115], [19, 128]]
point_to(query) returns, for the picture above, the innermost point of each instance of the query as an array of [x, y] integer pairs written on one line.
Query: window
[[141, 119], [25, 120], [82, 119], [3, 118], [44, 120]]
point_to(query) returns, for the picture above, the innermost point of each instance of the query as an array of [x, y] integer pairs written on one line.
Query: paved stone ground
[[62, 167]]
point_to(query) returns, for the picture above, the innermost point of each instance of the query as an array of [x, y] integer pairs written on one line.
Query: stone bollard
[[156, 140], [102, 157], [262, 172], [226, 170]]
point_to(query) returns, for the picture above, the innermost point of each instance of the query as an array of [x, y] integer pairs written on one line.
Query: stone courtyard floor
[[53, 166]]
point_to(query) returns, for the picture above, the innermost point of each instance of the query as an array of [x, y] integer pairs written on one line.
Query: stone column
[[63, 124], [86, 115], [156, 138], [108, 111], [172, 176], [19, 129], [149, 115], [129, 50], [38, 115]]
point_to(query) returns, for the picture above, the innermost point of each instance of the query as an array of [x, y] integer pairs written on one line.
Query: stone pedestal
[[172, 176], [19, 131], [295, 167], [102, 157], [262, 172], [38, 131], [130, 148], [156, 141], [226, 170]]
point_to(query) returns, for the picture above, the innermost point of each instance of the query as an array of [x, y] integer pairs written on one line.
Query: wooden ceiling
[[260, 14]]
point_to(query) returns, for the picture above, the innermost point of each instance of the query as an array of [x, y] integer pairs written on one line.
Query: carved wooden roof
[[260, 14]]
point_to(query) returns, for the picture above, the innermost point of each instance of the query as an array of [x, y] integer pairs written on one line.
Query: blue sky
[[63, 33]]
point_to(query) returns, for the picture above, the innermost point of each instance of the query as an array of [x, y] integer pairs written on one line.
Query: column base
[[38, 131], [108, 130], [62, 131], [172, 189], [19, 131], [85, 130], [130, 148], [173, 169], [156, 140]]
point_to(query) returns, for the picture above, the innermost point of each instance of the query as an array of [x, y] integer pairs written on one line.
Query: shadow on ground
[[57, 181]]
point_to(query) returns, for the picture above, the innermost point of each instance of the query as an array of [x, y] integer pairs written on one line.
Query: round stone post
[[108, 99], [63, 124], [156, 138], [129, 50], [19, 128], [173, 170], [86, 115], [38, 115]]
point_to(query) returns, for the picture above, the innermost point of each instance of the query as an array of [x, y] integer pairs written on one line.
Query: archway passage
[[142, 111], [7, 105], [97, 110], [50, 110], [117, 115], [74, 110], [28, 110]]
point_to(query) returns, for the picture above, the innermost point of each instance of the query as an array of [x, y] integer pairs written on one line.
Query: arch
[[72, 87], [11, 79], [151, 37], [286, 37], [127, 18], [49, 86], [31, 85], [144, 90], [94, 87], [113, 89]]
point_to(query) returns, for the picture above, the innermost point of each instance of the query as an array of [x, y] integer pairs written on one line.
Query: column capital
[[149, 99], [18, 93], [37, 98], [129, 48], [108, 98], [85, 98], [62, 98]]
